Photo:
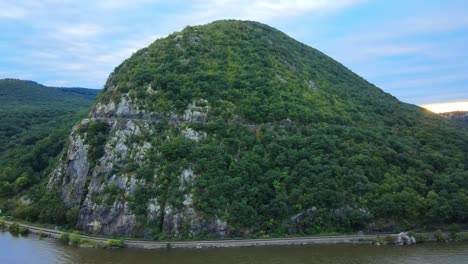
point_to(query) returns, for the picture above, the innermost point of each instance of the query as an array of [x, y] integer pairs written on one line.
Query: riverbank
[[145, 244]]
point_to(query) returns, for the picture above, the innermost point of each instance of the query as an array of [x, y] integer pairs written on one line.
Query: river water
[[31, 249]]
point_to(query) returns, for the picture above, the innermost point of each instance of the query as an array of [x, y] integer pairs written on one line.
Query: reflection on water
[[33, 250]]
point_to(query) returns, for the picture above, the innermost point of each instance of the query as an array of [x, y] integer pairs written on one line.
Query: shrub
[[421, 238], [88, 243], [439, 236], [75, 240], [65, 237], [377, 240], [2, 224], [42, 234], [23, 231], [114, 243], [463, 237], [454, 229], [14, 229]]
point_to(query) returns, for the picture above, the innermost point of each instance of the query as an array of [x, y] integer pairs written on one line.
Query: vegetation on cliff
[[285, 140]]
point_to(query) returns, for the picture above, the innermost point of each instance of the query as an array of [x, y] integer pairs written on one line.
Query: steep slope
[[34, 123], [235, 129]]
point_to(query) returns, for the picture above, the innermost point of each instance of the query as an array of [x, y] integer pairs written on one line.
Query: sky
[[416, 50]]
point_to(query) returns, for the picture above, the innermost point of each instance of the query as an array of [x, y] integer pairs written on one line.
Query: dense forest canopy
[[35, 122]]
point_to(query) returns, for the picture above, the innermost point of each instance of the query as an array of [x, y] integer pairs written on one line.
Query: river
[[31, 249]]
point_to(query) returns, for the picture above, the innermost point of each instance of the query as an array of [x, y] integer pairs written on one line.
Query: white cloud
[[202, 11], [9, 11], [121, 4], [79, 31]]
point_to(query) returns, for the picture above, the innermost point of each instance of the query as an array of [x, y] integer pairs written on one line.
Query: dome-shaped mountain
[[235, 129]]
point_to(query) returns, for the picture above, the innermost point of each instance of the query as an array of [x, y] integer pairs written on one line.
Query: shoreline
[[197, 244]]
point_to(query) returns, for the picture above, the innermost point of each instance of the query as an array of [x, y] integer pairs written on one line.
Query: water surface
[[46, 251]]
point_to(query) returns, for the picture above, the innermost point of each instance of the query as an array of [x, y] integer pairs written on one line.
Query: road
[[213, 243]]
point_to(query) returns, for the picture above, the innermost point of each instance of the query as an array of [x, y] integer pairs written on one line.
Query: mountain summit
[[235, 129]]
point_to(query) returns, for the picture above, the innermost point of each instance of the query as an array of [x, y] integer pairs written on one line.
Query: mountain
[[234, 129], [460, 117], [34, 123]]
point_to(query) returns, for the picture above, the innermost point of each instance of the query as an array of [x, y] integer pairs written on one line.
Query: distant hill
[[34, 123], [460, 117]]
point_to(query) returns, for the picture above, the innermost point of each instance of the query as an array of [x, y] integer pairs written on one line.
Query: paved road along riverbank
[[215, 243]]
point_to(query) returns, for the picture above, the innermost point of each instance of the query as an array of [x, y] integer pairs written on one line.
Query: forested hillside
[[35, 121], [234, 129]]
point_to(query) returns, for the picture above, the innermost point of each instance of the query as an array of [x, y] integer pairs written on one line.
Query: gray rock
[[192, 134], [404, 239], [312, 86], [196, 111], [299, 223]]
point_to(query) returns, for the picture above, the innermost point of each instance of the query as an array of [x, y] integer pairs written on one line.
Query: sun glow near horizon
[[447, 107]]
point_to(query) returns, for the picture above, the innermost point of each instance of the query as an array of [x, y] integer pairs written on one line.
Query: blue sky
[[415, 50]]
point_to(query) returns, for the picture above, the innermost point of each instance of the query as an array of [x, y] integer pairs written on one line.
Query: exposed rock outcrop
[[107, 188], [404, 238]]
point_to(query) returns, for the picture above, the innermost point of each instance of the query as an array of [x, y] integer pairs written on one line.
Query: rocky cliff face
[[104, 186]]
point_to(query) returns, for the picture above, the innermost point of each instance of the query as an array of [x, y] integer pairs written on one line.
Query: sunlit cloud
[[447, 107]]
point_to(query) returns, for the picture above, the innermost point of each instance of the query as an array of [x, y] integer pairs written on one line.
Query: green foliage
[[16, 229], [454, 229], [377, 240], [65, 237], [46, 208], [75, 240], [463, 237], [35, 121], [72, 216], [114, 243], [41, 234], [2, 224], [96, 136], [439, 236], [421, 238]]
